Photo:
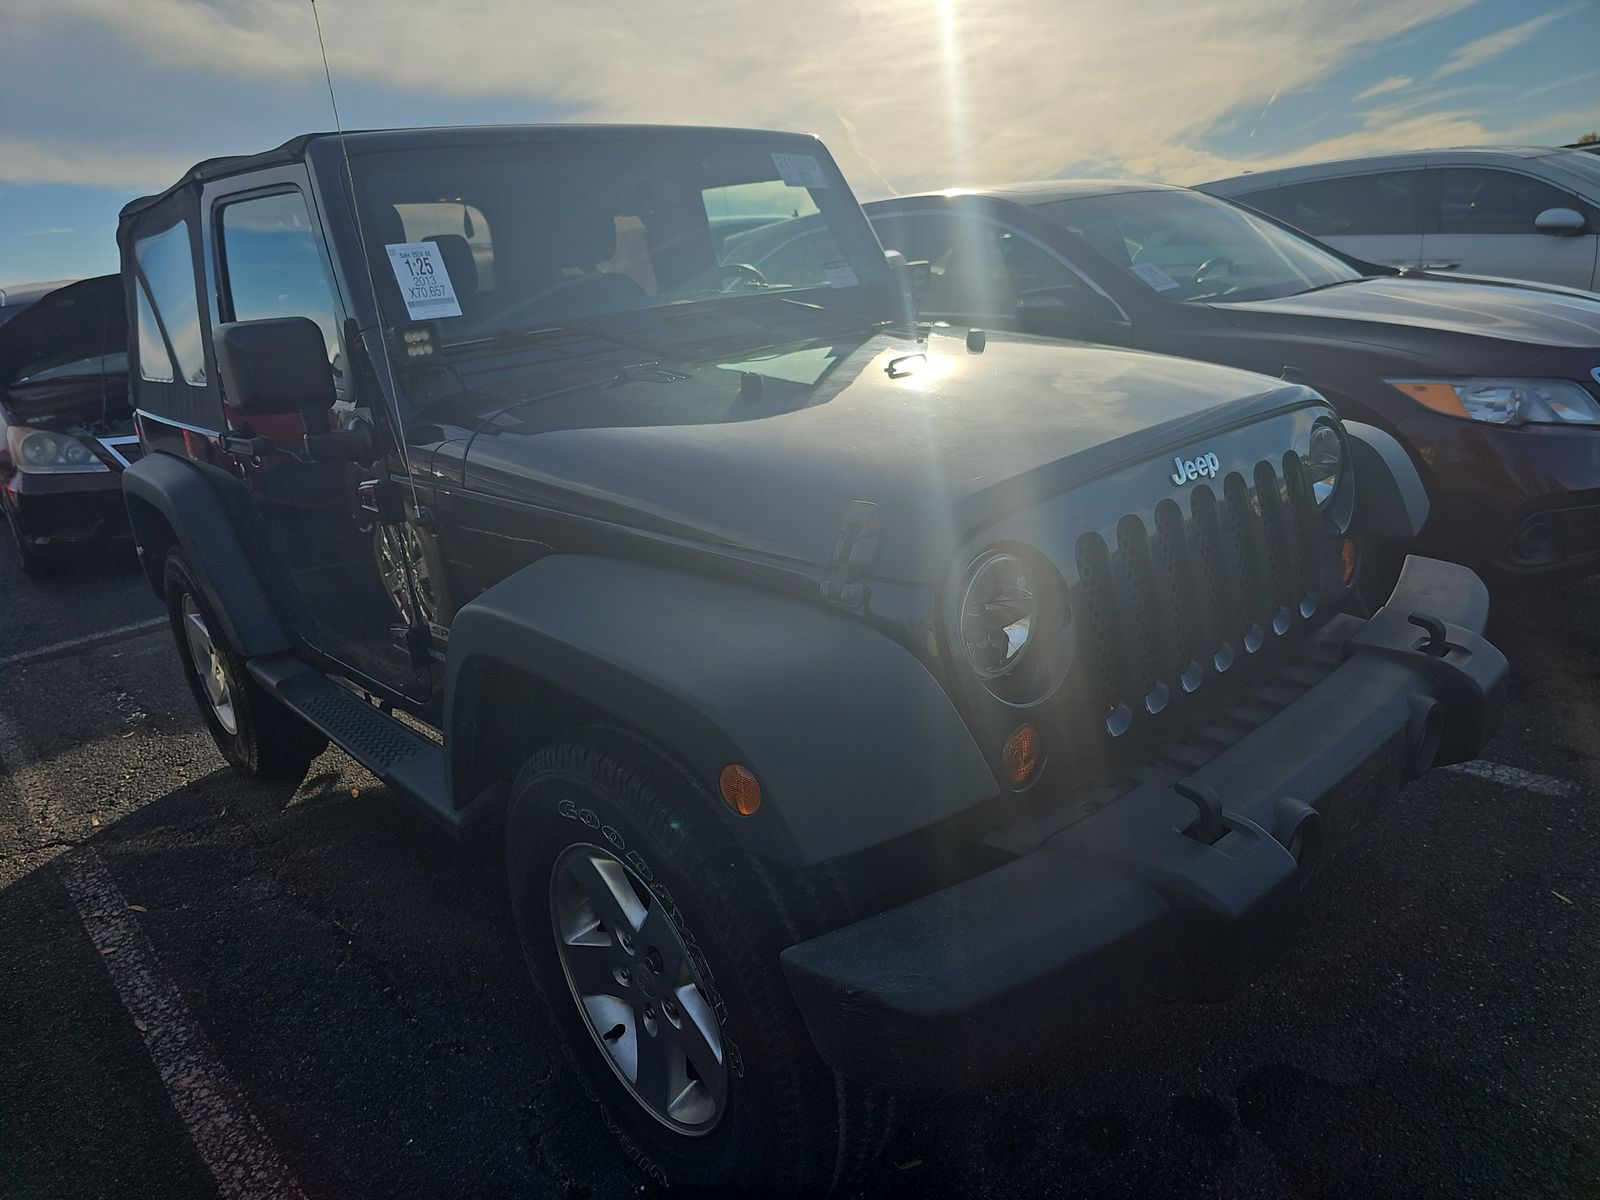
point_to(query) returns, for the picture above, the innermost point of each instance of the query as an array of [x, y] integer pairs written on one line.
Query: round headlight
[[40, 448], [75, 453], [1325, 462], [999, 608]]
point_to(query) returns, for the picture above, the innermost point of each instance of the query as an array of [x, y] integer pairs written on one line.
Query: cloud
[[1392, 84], [1475, 53], [1561, 83], [908, 93], [30, 160]]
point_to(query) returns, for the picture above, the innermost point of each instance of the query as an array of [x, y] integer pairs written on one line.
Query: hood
[[945, 443], [65, 357], [1388, 311]]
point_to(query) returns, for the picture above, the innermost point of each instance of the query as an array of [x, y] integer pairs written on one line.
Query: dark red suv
[[66, 422]]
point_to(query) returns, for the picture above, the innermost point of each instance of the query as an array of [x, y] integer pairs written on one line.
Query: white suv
[[1523, 213]]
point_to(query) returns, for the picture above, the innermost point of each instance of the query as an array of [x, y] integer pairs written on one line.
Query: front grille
[[1182, 595]]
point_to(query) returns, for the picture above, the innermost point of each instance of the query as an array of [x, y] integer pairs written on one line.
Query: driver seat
[[573, 245]]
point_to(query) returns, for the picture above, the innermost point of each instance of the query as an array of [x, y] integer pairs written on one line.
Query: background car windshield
[[1586, 166], [1186, 246], [545, 233]]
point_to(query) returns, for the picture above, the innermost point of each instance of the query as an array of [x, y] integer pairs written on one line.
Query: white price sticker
[[424, 283], [1155, 277], [840, 274], [800, 170]]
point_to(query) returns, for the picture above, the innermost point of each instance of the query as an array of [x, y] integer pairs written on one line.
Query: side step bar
[[406, 761]]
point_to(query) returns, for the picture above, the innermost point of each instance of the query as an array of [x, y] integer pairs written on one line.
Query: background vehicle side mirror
[[1063, 311], [1560, 222], [276, 365]]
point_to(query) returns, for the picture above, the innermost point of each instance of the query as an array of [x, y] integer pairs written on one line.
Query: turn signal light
[[741, 791], [1440, 397], [1021, 755], [1347, 560]]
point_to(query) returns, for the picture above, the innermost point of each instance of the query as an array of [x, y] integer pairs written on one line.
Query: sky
[[103, 100]]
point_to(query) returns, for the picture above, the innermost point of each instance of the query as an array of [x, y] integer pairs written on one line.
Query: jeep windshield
[[1188, 246], [491, 239]]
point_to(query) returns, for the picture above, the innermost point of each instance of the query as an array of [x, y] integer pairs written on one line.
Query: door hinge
[[854, 554]]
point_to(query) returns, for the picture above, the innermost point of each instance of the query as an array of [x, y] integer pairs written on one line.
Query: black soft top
[[368, 141]]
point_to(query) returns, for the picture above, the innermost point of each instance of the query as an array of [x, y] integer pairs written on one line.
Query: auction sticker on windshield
[[424, 283], [800, 170], [1155, 276]]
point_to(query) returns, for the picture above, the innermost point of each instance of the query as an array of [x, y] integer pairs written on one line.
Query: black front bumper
[[1170, 892], [60, 510]]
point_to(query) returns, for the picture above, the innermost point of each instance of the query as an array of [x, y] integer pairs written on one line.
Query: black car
[[864, 709], [1492, 386], [66, 424]]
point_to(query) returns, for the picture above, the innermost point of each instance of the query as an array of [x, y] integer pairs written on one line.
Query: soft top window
[[155, 364], [170, 312], [273, 268]]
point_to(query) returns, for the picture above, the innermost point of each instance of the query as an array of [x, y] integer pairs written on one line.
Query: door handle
[[1438, 266]]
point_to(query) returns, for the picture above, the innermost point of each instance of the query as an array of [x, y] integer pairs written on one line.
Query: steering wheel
[[730, 277], [1204, 269]]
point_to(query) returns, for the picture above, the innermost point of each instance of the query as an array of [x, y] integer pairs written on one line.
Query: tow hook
[[1207, 827], [1437, 643]]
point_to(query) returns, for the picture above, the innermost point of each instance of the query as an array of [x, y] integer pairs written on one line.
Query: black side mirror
[[913, 274], [1560, 222], [277, 365], [1065, 311]]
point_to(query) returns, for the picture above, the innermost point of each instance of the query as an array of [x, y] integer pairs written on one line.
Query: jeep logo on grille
[[1188, 469]]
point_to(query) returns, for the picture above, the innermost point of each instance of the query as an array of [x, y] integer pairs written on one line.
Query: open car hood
[[65, 357]]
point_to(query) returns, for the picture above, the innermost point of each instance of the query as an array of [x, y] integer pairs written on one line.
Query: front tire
[[258, 736], [631, 896]]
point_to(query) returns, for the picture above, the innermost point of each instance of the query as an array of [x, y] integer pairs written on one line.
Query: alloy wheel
[[404, 566], [638, 989], [208, 665]]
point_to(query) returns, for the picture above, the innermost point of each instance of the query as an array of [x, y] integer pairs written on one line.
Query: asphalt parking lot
[[213, 986]]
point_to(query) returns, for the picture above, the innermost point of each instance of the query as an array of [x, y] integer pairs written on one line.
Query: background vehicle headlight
[[999, 609], [1325, 462], [38, 451], [1506, 401]]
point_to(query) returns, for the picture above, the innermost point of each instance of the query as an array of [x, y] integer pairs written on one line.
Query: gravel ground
[[353, 980]]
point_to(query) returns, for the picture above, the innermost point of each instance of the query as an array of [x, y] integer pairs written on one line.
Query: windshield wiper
[[852, 322], [554, 333]]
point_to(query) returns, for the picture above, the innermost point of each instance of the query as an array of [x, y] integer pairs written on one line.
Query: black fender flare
[[208, 514], [1391, 500], [852, 739]]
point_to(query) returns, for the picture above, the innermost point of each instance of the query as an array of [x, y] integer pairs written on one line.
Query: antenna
[[414, 618]]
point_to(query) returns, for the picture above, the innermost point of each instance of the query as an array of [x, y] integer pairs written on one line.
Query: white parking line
[[87, 639], [226, 1133], [1544, 785]]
